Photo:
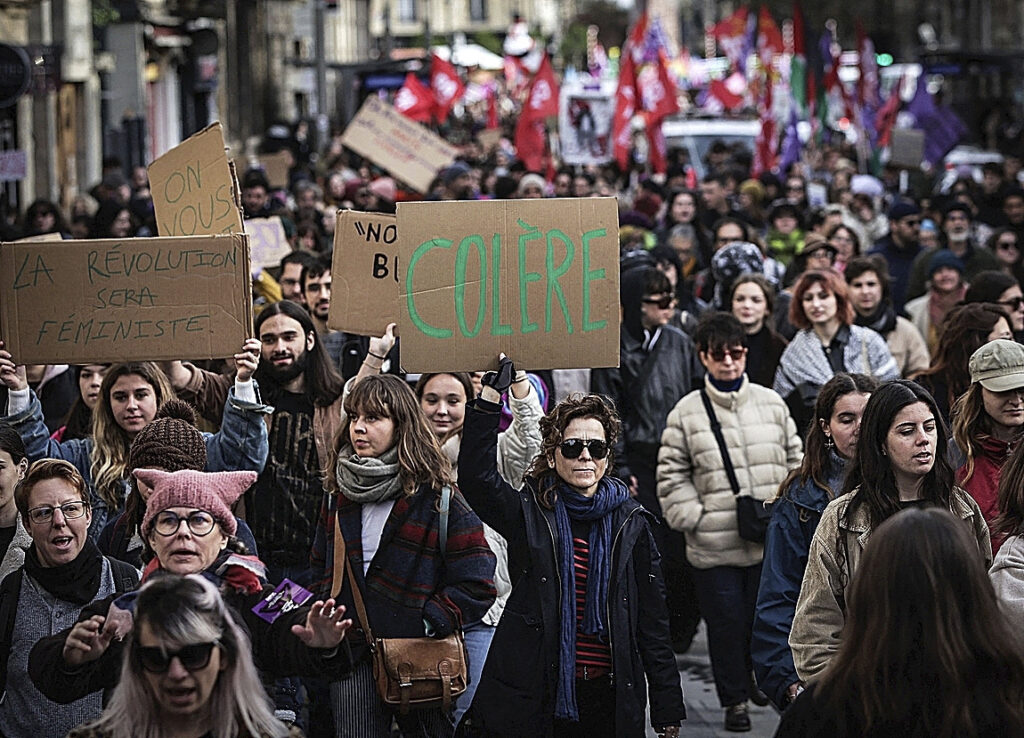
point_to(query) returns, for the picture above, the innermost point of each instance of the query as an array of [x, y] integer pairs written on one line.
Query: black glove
[[500, 380]]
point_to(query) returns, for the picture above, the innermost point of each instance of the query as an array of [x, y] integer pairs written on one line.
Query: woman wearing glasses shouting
[[730, 440], [584, 639], [63, 572], [188, 670], [188, 528]]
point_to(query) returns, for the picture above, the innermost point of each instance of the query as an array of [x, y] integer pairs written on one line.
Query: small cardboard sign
[[99, 301], [406, 149], [535, 279], [13, 165], [907, 148], [364, 273], [489, 139], [194, 192], [277, 168], [287, 596], [268, 241]]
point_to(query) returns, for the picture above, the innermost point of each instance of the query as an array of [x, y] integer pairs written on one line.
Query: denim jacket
[[239, 445]]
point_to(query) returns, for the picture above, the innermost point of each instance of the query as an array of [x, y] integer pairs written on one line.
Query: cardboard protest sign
[[98, 301], [268, 241], [535, 279], [364, 273], [194, 192], [276, 167], [409, 151], [907, 148], [41, 237]]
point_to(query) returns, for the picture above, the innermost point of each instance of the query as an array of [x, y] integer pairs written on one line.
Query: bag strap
[[716, 428], [341, 566], [446, 501]]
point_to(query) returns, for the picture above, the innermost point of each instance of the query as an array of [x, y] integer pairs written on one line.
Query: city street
[[704, 716]]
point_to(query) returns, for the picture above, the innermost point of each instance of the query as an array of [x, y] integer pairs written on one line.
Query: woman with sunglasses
[[589, 601], [189, 529], [62, 572], [698, 498], [1002, 289], [188, 670]]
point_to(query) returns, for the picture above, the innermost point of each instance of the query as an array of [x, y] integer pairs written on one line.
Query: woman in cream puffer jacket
[[696, 497], [692, 484]]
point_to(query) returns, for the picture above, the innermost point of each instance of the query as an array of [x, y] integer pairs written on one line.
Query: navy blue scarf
[[597, 509]]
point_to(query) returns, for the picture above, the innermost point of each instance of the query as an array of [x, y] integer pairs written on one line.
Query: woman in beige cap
[[987, 423]]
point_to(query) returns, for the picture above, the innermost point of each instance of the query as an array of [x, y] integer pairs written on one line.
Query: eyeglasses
[[1013, 303], [168, 522], [70, 511], [193, 658], [663, 303], [573, 447], [734, 353], [1006, 245], [825, 254], [912, 222]]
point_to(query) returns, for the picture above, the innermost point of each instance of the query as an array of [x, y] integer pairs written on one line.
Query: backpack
[[126, 579]]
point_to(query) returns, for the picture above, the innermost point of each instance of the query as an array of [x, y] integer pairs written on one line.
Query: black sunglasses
[[663, 303], [194, 657], [573, 447], [734, 353], [1013, 303]]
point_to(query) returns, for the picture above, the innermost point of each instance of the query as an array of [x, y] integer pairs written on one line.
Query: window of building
[[407, 11], [478, 11]]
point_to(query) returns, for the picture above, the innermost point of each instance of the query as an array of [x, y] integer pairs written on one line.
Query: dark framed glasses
[[573, 447], [1006, 245], [70, 511], [1013, 303], [663, 303], [168, 522], [193, 658], [734, 353]]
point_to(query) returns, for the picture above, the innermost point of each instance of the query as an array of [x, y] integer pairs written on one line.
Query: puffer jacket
[[795, 517], [820, 610], [693, 487]]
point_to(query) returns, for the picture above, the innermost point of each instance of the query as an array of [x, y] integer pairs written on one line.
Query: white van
[[696, 135]]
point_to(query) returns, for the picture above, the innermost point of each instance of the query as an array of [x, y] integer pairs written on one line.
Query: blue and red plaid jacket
[[409, 580]]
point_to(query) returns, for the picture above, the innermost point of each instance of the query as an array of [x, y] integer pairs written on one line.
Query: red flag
[[414, 100], [769, 38], [731, 35], [446, 84], [766, 145], [626, 93], [541, 103], [492, 108], [542, 99], [719, 89], [658, 92], [885, 120]]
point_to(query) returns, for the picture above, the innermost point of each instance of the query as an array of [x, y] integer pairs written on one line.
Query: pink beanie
[[212, 492]]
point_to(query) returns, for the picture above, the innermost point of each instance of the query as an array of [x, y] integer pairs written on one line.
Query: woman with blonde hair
[[188, 670], [386, 483], [130, 395]]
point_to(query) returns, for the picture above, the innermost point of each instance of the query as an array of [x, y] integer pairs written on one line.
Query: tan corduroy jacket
[[835, 554]]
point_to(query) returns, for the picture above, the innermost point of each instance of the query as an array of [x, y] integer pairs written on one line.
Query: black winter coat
[[516, 695]]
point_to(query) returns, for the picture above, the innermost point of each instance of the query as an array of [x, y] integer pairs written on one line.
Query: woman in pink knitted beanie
[[189, 528]]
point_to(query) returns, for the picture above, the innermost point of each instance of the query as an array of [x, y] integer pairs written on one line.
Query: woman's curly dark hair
[[552, 427]]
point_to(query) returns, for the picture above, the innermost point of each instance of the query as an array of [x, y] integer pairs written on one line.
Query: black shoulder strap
[[716, 428], [126, 577], [10, 590]]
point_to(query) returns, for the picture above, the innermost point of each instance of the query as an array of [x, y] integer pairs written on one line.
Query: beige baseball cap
[[998, 365]]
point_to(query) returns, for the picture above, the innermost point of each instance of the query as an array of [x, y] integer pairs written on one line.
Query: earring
[[828, 442]]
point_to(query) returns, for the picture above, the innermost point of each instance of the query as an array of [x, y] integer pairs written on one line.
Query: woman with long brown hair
[[926, 650], [831, 443], [900, 462], [385, 481]]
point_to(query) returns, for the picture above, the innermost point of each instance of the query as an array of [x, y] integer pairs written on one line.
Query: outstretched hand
[[325, 625], [87, 641], [382, 346]]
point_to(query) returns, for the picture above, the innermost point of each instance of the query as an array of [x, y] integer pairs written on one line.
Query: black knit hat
[[170, 442]]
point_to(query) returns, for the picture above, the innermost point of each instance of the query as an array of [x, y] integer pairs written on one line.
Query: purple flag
[[942, 128], [791, 146]]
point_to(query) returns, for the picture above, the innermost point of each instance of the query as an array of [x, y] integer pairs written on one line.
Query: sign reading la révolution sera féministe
[[535, 279], [98, 301]]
